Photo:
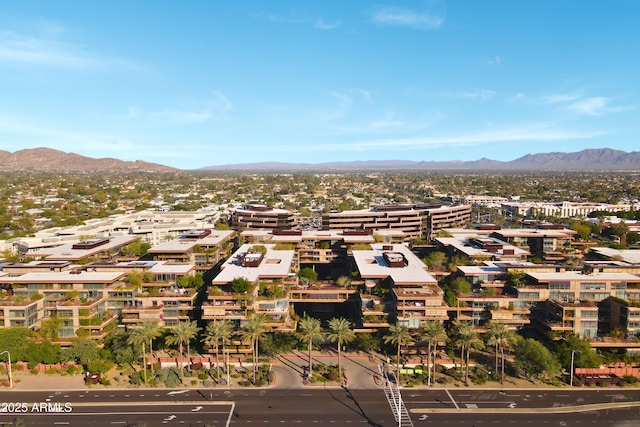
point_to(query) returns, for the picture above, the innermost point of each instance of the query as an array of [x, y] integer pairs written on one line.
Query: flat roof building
[[415, 221]]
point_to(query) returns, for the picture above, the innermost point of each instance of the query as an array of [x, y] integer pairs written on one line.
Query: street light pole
[[227, 353], [9, 370], [573, 353]]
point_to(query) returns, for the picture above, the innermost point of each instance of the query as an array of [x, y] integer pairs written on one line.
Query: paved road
[[322, 407], [452, 399]]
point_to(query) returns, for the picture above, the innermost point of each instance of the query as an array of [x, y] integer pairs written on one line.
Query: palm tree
[[501, 338], [466, 338], [151, 330], [138, 337], [340, 331], [253, 331], [435, 333], [180, 334], [308, 330], [398, 335], [216, 332]]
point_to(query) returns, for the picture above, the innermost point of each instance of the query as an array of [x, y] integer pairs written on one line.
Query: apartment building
[[544, 242], [560, 317], [396, 279], [261, 217], [481, 248], [269, 271], [105, 249], [622, 315], [560, 210], [488, 301], [153, 227], [204, 248], [415, 221], [78, 298]]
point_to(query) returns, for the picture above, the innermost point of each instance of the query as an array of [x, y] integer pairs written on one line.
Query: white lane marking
[[171, 393], [452, 399]]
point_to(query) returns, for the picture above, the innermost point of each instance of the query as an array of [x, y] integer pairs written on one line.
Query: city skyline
[[214, 84]]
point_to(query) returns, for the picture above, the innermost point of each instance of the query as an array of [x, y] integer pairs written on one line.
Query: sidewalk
[[28, 381]]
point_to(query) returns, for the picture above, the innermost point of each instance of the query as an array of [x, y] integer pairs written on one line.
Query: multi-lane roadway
[[318, 406]]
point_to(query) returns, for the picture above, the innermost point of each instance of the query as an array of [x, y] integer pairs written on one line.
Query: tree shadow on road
[[358, 409]]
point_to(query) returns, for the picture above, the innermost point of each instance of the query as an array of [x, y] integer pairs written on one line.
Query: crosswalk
[[399, 410]]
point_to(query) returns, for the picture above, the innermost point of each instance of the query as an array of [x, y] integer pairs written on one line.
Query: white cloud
[[214, 108], [400, 17], [297, 18], [480, 94], [561, 98], [320, 24], [47, 51], [496, 60], [596, 106], [19, 48]]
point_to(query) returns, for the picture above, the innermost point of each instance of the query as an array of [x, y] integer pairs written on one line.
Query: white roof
[[167, 268], [66, 252], [372, 264], [464, 246], [479, 269], [631, 256], [65, 277], [184, 244], [275, 264], [576, 276]]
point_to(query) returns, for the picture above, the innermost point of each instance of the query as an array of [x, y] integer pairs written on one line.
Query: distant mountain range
[[47, 159], [592, 159]]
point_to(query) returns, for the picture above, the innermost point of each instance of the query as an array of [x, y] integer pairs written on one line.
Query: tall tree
[[534, 360], [253, 331], [151, 330], [466, 338], [398, 335], [501, 339], [309, 330], [215, 332], [340, 332], [434, 333], [182, 334], [137, 337], [50, 328]]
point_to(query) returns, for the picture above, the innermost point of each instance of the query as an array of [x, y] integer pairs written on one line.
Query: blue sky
[[200, 83]]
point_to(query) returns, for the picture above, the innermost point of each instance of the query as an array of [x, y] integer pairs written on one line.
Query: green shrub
[[172, 380]]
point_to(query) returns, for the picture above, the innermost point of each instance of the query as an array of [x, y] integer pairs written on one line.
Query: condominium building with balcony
[[415, 221], [95, 249], [270, 272], [203, 248], [561, 318], [413, 294], [78, 298], [261, 217], [481, 248], [542, 242]]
